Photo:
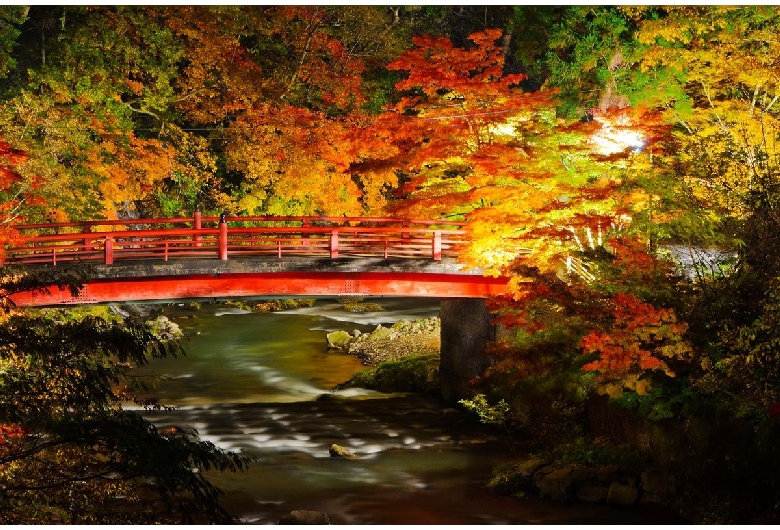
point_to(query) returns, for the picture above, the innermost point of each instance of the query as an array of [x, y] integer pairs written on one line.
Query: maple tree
[[66, 436], [274, 80], [310, 163], [96, 116], [544, 197], [712, 73], [11, 196], [637, 342], [480, 147], [708, 188], [723, 109]]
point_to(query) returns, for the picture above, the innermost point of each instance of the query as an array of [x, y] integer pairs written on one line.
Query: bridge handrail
[[326, 230], [303, 220], [399, 238]]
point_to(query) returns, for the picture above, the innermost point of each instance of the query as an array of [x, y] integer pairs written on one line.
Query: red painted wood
[[250, 237], [334, 237], [292, 284], [108, 250], [197, 225], [223, 240]]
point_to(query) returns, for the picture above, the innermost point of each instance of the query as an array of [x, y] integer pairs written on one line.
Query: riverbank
[[259, 382], [386, 344], [405, 358]]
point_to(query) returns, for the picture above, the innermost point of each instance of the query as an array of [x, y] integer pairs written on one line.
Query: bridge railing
[[198, 221], [237, 237]]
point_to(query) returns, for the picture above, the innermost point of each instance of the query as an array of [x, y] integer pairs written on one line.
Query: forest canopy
[[600, 155]]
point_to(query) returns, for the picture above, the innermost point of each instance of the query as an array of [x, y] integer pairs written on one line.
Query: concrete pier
[[466, 330]]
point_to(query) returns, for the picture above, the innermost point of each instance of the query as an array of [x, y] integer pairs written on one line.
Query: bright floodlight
[[610, 140]]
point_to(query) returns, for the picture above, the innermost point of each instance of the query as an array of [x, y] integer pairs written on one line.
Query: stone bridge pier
[[466, 329]]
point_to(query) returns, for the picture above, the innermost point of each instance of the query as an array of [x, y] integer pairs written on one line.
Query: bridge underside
[[246, 279]]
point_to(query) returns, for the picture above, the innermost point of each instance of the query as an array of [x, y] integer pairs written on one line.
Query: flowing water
[[261, 383]]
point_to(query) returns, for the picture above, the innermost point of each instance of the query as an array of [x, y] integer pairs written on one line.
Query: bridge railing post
[[305, 232], [334, 244], [222, 238], [196, 224], [108, 249], [437, 245], [87, 239]]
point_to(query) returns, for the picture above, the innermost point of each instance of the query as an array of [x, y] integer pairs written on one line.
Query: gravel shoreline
[[402, 339]]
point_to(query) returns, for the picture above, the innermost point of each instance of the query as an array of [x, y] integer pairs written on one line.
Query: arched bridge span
[[252, 257], [260, 257]]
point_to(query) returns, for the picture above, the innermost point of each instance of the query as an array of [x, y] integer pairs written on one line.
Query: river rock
[[304, 517], [555, 482], [165, 329], [655, 487], [339, 339], [605, 474], [527, 468], [608, 473], [517, 480], [340, 452], [379, 333], [622, 495], [591, 492]]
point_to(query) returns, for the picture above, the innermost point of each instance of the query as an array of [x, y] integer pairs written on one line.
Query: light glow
[[616, 135], [610, 140], [505, 129]]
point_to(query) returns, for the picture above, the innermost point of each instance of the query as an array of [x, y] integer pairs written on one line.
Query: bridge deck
[[246, 258], [164, 239], [287, 277]]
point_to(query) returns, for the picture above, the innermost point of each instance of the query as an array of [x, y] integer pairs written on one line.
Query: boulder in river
[[622, 494], [339, 339], [556, 482], [338, 451], [304, 517]]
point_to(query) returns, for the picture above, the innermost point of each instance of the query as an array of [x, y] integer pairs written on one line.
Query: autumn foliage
[[619, 165], [641, 339], [16, 195]]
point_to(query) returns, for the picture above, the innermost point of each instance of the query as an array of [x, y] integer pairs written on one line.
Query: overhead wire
[[240, 127]]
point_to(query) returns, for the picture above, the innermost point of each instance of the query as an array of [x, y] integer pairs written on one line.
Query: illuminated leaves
[[323, 68], [309, 162], [15, 195], [640, 340], [721, 90], [219, 76], [109, 74], [238, 59], [285, 92], [478, 146]]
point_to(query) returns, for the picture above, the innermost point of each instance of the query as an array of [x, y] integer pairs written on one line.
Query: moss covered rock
[[339, 339], [337, 451], [416, 373]]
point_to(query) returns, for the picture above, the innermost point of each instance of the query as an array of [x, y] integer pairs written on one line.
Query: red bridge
[[252, 257]]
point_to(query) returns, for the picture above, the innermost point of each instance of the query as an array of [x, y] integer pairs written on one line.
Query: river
[[261, 383]]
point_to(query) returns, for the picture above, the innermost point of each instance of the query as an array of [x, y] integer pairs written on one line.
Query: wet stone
[[305, 517], [339, 339], [622, 495], [340, 452]]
